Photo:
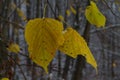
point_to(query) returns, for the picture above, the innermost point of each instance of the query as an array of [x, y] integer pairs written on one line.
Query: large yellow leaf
[[94, 16], [75, 45], [43, 36]]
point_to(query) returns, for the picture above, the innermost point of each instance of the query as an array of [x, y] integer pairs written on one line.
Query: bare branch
[[15, 8], [106, 28], [111, 9], [18, 66], [51, 8], [17, 25]]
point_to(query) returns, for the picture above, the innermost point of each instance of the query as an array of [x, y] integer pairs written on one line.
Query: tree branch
[[19, 67], [16, 8], [106, 28], [17, 25], [51, 8], [111, 9]]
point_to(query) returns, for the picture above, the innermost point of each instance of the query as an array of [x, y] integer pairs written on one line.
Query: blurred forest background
[[103, 42]]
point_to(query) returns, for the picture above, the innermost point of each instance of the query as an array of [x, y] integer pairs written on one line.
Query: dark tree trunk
[[80, 61], [66, 68], [80, 64]]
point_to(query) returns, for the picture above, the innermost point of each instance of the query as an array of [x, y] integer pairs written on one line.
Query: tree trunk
[[66, 68], [80, 62]]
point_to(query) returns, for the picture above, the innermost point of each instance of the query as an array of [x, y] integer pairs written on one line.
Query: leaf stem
[[44, 11]]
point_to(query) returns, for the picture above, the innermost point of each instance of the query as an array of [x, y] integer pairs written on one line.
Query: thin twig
[[111, 10], [51, 8], [106, 28], [18, 66], [15, 9], [18, 26], [44, 11], [24, 55], [30, 65]]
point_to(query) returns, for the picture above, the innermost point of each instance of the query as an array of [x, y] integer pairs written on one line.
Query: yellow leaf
[[21, 14], [68, 12], [94, 16], [13, 47], [61, 17], [43, 37], [75, 45], [73, 10], [19, 11], [4, 79]]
